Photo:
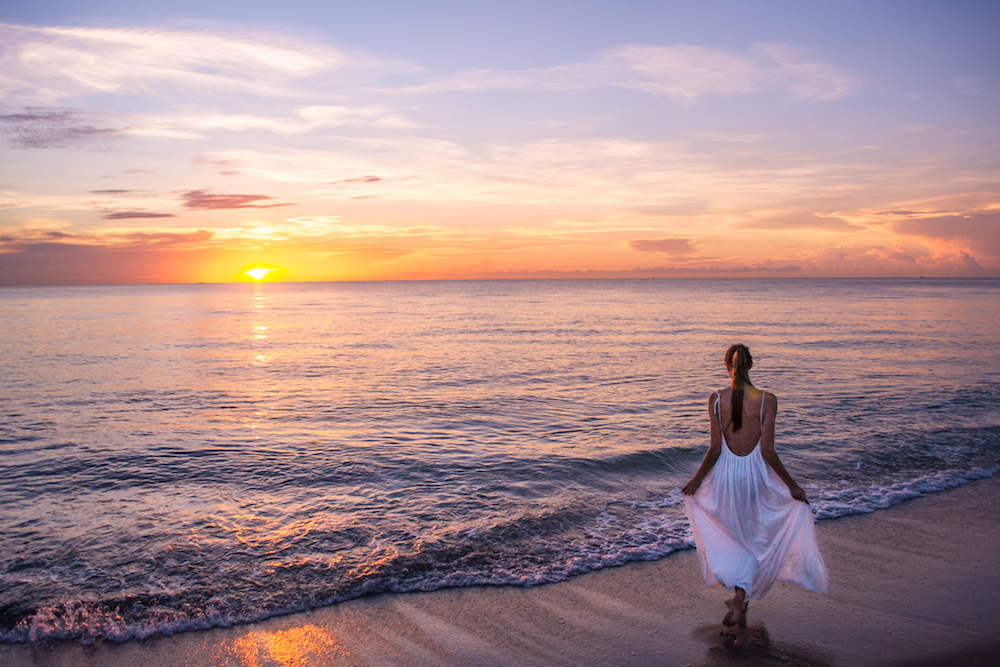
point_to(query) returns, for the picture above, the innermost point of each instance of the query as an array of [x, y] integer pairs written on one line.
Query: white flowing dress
[[748, 529]]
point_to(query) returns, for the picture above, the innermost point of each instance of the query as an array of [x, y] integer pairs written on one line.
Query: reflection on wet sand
[[753, 646], [297, 647]]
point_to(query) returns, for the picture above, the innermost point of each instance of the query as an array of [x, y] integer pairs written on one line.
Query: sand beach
[[911, 585]]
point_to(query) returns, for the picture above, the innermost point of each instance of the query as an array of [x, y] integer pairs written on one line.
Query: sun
[[257, 273]]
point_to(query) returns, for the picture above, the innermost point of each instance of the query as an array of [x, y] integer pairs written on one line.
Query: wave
[[831, 503], [530, 550]]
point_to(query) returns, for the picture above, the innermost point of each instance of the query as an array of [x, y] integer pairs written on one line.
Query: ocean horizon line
[[526, 279]]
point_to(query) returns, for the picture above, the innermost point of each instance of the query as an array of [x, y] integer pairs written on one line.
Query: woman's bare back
[[743, 441]]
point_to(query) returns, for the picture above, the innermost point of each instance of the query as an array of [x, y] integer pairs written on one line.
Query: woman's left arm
[[767, 447]]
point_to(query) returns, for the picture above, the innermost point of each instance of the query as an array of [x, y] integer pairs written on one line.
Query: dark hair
[[738, 358]]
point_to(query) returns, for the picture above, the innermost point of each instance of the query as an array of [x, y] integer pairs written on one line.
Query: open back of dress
[[748, 529]]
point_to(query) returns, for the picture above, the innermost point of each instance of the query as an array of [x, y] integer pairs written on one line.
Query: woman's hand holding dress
[[798, 493], [691, 487]]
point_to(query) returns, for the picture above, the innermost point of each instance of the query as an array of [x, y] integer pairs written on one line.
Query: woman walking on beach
[[751, 521]]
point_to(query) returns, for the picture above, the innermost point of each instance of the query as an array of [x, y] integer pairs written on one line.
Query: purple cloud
[[225, 167], [129, 215], [362, 179], [668, 246], [203, 200], [57, 128]]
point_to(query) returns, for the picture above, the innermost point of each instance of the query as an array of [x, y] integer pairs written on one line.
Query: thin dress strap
[[763, 395], [718, 410]]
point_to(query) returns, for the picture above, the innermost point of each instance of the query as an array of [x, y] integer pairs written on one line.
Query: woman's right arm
[[711, 456]]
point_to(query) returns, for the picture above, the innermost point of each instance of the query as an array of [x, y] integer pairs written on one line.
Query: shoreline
[[912, 585]]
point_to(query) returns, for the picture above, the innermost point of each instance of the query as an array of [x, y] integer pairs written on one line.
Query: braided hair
[[738, 358]]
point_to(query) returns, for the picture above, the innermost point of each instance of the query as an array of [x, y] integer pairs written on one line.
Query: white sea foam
[[654, 536], [830, 503]]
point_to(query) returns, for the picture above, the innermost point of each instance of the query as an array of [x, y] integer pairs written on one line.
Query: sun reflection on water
[[258, 333], [298, 647], [260, 356]]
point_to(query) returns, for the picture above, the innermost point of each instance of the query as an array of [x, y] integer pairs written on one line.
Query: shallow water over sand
[[184, 456]]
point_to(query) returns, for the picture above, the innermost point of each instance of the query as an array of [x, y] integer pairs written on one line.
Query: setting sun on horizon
[[258, 273]]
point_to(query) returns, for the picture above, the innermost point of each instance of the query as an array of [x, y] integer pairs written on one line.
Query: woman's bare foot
[[737, 614]]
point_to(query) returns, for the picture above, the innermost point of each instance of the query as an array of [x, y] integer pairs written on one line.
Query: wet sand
[[911, 586]]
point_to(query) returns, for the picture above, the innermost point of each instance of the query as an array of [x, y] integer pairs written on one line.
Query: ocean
[[175, 457]]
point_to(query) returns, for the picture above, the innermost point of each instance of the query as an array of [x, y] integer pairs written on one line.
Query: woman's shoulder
[[769, 399]]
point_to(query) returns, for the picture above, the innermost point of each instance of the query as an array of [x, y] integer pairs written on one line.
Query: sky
[[191, 141]]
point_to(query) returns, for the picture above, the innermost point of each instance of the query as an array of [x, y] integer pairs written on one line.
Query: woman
[[751, 521]]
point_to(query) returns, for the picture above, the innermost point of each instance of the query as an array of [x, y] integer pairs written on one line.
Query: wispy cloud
[[194, 124], [334, 226], [900, 256], [116, 192], [911, 214], [129, 215], [682, 72], [344, 158], [224, 167], [109, 239], [802, 220], [362, 179], [318, 229], [757, 183], [203, 200], [667, 246], [44, 64], [54, 128]]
